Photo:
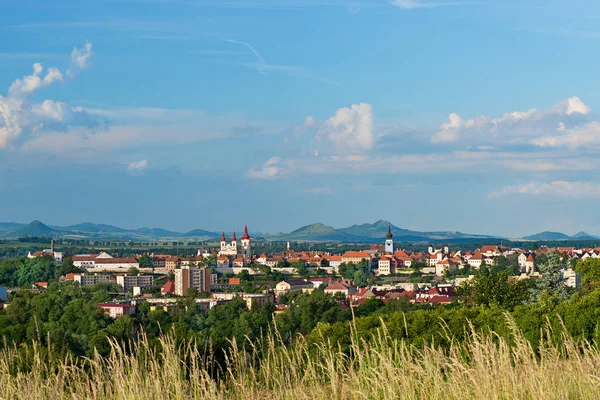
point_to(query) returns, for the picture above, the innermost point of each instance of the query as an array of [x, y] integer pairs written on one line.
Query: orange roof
[[356, 254]]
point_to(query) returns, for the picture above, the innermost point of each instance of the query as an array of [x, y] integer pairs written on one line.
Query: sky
[[472, 116]]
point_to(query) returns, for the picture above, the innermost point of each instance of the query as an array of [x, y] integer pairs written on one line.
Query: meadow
[[483, 365]]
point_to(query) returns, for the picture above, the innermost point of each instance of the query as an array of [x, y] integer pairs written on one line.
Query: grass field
[[482, 367]]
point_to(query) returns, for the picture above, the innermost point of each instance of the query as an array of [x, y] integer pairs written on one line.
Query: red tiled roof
[[127, 260], [168, 287], [356, 254]]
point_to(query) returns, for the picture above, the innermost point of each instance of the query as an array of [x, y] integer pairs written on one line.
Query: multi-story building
[[288, 286], [86, 280], [129, 282], [115, 310], [192, 277], [355, 257], [572, 278]]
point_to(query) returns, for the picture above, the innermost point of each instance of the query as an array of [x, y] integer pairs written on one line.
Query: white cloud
[[555, 188], [138, 166], [583, 135], [449, 130], [352, 129], [18, 116], [270, 170], [514, 127], [80, 59], [28, 84]]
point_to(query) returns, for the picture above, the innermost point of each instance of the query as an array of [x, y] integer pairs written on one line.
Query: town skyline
[[439, 115]]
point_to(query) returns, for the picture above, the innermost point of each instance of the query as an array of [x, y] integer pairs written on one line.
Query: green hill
[[548, 236], [35, 228]]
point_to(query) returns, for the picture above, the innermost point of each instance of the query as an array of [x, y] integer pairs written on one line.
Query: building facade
[[192, 277]]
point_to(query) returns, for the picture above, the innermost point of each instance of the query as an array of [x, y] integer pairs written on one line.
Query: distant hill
[[315, 232], [35, 228], [374, 232], [584, 236], [201, 233], [156, 232], [548, 236], [93, 228]]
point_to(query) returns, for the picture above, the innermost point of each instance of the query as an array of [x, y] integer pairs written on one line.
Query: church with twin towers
[[232, 249]]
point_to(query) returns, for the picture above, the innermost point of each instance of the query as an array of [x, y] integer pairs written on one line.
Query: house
[[530, 264], [572, 278], [335, 262], [339, 287], [168, 288], [387, 265], [476, 260], [115, 310], [318, 282], [491, 251], [445, 266], [442, 294], [40, 285], [522, 259], [288, 286], [355, 257]]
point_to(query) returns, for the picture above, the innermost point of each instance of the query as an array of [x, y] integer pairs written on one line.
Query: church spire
[[233, 238], [245, 236], [389, 232], [223, 236]]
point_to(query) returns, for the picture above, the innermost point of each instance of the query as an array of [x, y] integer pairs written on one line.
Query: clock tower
[[389, 241]]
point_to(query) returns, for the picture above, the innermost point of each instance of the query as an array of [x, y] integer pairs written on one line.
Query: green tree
[[145, 262], [494, 288], [551, 281], [589, 269]]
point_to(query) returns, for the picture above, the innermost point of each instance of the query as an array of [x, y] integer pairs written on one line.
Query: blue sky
[[478, 116]]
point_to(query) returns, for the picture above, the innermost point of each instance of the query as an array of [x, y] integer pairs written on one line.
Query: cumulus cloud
[[270, 170], [19, 116], [80, 59], [583, 135], [138, 166], [351, 129], [514, 127], [555, 188], [28, 84]]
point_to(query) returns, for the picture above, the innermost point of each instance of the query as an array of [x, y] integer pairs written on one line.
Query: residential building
[[355, 257], [445, 266], [115, 310], [253, 300], [192, 277], [288, 286], [572, 278], [530, 264], [168, 288], [340, 287], [128, 282], [87, 280]]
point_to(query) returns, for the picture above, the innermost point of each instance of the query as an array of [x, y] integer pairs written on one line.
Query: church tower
[[389, 241], [223, 242], [246, 246], [234, 242]]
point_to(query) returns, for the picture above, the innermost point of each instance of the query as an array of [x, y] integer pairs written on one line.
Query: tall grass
[[484, 366]]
